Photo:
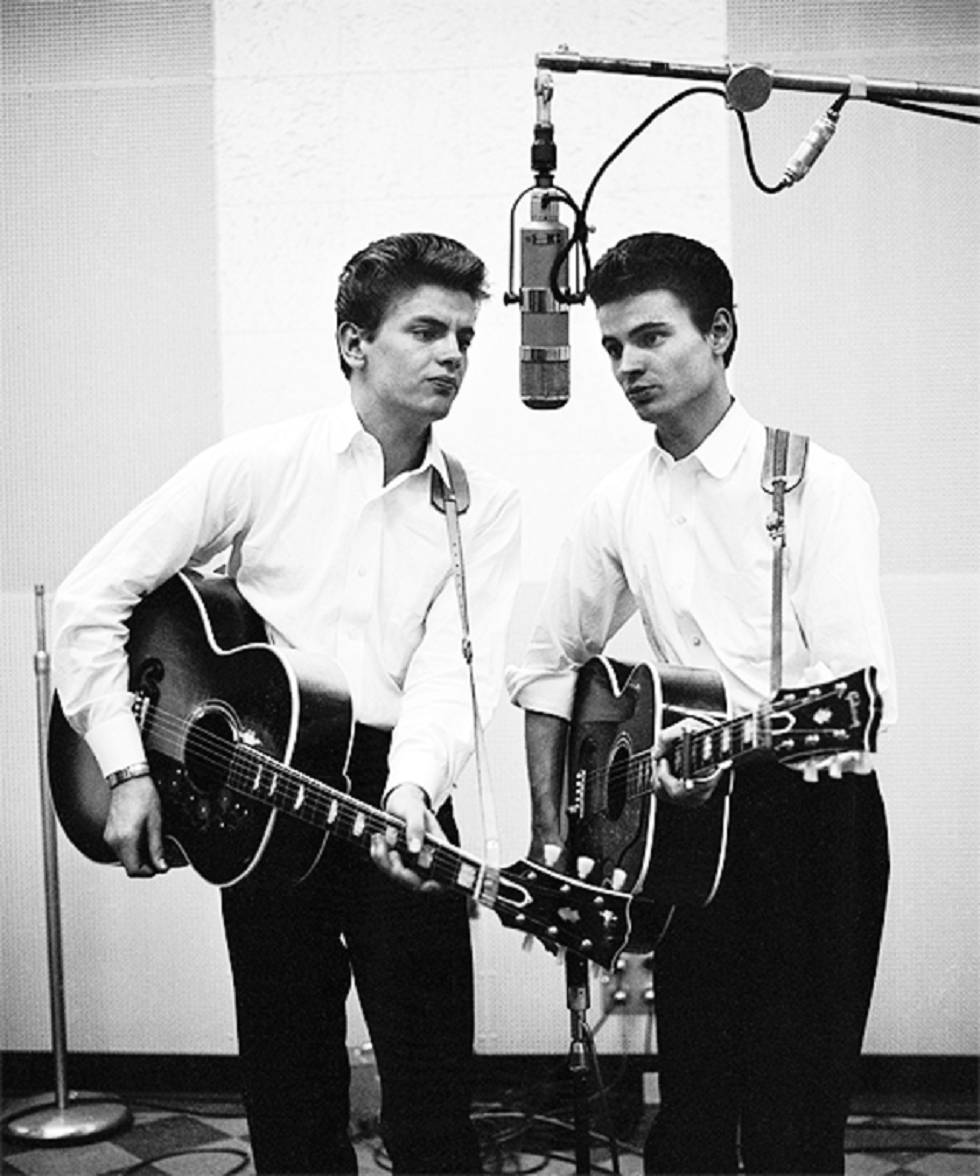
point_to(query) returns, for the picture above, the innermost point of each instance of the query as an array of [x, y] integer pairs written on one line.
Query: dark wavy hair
[[393, 266], [691, 271]]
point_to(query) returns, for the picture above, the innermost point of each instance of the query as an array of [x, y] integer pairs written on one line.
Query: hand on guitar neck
[[410, 804], [694, 789]]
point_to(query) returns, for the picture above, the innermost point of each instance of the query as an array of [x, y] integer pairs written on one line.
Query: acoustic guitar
[[670, 853], [248, 746]]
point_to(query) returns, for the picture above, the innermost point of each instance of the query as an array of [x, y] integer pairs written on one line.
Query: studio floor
[[208, 1137]]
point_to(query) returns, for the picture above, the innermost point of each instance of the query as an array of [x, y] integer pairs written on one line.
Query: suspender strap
[[782, 471], [453, 499]]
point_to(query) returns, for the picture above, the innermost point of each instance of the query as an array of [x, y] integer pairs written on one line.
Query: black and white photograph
[[490, 568]]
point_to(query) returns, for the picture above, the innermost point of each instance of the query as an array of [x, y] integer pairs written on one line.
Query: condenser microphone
[[819, 135], [544, 375]]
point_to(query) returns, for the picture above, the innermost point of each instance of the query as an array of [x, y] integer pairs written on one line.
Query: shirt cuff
[[116, 743], [416, 766], [553, 694]]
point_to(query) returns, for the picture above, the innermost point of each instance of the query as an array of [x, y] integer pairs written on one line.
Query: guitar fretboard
[[705, 751], [256, 774], [562, 911], [695, 753], [842, 715]]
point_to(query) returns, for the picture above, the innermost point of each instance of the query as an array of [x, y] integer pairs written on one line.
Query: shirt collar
[[721, 449], [345, 427], [723, 446]]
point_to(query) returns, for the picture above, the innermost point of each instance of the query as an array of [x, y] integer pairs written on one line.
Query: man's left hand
[[692, 791]]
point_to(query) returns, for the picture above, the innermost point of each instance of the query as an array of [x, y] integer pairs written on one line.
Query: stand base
[[85, 1117]]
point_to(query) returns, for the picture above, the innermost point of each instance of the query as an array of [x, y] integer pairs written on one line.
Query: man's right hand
[[134, 828], [545, 737]]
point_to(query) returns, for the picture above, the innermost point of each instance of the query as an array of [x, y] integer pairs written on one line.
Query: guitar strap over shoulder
[[785, 459], [453, 499], [459, 485], [782, 471]]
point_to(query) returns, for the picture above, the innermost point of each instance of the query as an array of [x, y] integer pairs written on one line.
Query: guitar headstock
[[839, 715], [563, 912]]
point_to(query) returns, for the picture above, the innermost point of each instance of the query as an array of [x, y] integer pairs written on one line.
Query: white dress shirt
[[336, 563], [686, 543]]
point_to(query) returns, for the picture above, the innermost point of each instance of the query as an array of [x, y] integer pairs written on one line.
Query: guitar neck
[[255, 774], [702, 752], [835, 716], [723, 744]]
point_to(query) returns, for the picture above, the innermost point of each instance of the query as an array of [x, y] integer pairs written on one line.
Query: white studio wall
[[859, 294], [172, 281], [111, 380]]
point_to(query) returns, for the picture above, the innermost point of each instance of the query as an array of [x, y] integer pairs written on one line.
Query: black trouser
[[293, 950], [762, 996]]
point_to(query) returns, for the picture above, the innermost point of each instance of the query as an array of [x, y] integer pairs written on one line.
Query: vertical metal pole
[[52, 893], [70, 1116], [577, 992]]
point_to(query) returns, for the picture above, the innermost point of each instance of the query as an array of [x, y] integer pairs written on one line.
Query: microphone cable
[[579, 234]]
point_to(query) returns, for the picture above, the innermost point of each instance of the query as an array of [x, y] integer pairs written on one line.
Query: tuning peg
[[810, 772], [551, 853], [528, 942], [584, 866], [834, 769], [618, 879]]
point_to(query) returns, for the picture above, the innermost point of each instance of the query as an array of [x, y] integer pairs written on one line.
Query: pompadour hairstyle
[[691, 271], [392, 266]]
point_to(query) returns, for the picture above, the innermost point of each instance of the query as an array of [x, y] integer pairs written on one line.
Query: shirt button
[[695, 640], [680, 520]]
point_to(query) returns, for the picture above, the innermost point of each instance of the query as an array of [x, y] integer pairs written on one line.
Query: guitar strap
[[459, 485], [452, 498], [782, 472]]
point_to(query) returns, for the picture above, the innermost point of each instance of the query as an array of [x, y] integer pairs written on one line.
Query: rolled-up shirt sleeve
[[587, 600]]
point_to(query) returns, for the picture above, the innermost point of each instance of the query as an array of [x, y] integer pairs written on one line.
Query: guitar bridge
[[141, 709], [576, 798]]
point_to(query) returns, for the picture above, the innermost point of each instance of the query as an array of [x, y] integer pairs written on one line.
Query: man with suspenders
[[761, 996]]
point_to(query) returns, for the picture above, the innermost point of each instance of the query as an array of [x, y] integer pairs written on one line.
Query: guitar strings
[[446, 860], [319, 797], [637, 768], [252, 772]]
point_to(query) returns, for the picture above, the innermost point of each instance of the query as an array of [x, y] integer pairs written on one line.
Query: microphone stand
[[577, 995], [67, 1116], [855, 86]]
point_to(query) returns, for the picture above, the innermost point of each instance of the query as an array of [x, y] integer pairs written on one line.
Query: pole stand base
[[85, 1117]]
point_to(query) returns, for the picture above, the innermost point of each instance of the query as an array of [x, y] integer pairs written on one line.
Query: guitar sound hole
[[209, 750], [617, 792]]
